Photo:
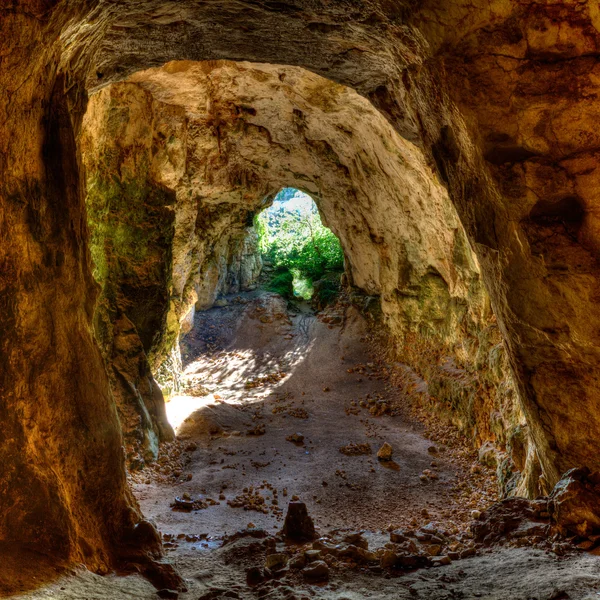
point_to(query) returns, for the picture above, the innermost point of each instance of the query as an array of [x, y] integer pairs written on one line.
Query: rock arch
[[499, 101], [187, 153]]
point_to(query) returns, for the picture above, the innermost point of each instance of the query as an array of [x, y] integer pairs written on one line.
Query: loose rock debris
[[420, 534], [356, 449]]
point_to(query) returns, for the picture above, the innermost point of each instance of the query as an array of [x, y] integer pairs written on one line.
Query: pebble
[[385, 452], [275, 562], [312, 555]]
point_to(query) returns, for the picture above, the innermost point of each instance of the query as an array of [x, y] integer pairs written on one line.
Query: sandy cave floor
[[255, 373]]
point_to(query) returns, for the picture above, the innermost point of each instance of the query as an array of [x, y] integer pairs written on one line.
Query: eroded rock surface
[[499, 99], [218, 141]]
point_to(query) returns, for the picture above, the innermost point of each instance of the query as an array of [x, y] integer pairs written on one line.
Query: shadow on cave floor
[[266, 374], [256, 373]]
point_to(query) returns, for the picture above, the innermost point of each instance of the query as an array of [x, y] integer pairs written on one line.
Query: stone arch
[[462, 86], [213, 140]]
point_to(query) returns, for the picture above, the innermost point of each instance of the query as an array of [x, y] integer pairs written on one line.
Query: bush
[[297, 241], [282, 283], [326, 290]]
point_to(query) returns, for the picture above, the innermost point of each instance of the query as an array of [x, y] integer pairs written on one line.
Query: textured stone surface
[[574, 503], [498, 97], [298, 525]]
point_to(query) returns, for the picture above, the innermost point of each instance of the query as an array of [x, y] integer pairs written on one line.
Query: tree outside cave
[[306, 256]]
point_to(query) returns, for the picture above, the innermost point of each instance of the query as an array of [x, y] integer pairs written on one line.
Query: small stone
[[476, 515], [387, 559], [316, 571], [357, 539], [432, 450], [275, 562], [298, 562], [295, 438], [398, 536], [385, 452], [585, 545], [439, 561], [312, 555], [433, 549]]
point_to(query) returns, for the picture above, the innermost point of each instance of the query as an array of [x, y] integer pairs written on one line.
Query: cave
[[431, 418]]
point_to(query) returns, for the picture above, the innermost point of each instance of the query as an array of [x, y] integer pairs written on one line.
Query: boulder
[[298, 525], [575, 502]]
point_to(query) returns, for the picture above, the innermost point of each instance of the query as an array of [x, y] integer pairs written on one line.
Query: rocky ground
[[281, 407]]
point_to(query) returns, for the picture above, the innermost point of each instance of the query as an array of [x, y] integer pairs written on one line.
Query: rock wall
[[496, 98], [63, 490], [234, 266]]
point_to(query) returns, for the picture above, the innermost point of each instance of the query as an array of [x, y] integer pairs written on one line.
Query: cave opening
[[252, 350], [298, 250]]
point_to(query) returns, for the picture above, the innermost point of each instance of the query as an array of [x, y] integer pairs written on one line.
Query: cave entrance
[[274, 273], [300, 255]]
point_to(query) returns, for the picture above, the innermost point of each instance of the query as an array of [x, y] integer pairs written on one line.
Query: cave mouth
[[287, 258], [299, 253], [397, 146]]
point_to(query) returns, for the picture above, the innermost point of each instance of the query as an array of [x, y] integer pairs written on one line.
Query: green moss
[[131, 232]]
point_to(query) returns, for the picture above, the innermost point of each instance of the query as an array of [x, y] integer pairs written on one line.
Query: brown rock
[[298, 525], [275, 562], [316, 571], [385, 452], [575, 502], [509, 518], [296, 438]]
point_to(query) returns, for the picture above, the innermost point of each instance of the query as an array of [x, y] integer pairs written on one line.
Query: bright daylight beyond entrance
[[302, 251]]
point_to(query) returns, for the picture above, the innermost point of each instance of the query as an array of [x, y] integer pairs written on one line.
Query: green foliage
[[326, 290], [297, 241], [282, 283]]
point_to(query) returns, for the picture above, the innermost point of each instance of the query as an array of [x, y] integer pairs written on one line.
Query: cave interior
[[168, 412]]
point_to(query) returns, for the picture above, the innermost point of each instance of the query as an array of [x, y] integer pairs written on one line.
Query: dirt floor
[[279, 404]]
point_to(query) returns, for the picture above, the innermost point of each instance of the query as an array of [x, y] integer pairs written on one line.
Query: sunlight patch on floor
[[180, 407], [238, 377]]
